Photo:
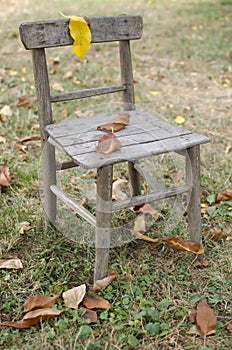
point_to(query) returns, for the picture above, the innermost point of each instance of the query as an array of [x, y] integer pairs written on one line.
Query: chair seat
[[145, 135]]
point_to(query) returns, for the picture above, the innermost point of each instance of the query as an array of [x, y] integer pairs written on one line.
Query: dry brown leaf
[[229, 327], [117, 189], [26, 102], [228, 148], [24, 226], [5, 176], [108, 143], [95, 302], [178, 243], [216, 234], [224, 195], [34, 137], [39, 302], [145, 238], [148, 209], [32, 318], [117, 123], [2, 139], [195, 330], [192, 315], [140, 224], [205, 318], [5, 113], [73, 297], [22, 148], [89, 315], [104, 282], [11, 264], [201, 263]]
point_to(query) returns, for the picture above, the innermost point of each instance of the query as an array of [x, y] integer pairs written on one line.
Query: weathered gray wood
[[103, 220], [72, 204], [67, 164], [78, 94], [45, 118], [93, 159], [152, 196], [193, 198], [51, 33]]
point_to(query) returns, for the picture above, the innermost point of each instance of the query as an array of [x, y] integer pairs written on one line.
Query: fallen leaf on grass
[[22, 148], [117, 189], [73, 297], [26, 102], [140, 224], [117, 123], [95, 302], [192, 315], [201, 263], [90, 315], [2, 139], [179, 119], [11, 264], [5, 176], [104, 282], [39, 302], [148, 209], [33, 317], [34, 137], [178, 243], [24, 226], [145, 238], [205, 318], [5, 113], [225, 195], [216, 234], [228, 148], [229, 327], [195, 330], [108, 143]]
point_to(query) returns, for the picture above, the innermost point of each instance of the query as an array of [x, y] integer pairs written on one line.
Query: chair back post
[[45, 118], [127, 75]]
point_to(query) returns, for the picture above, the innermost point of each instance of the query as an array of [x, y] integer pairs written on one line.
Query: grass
[[185, 56]]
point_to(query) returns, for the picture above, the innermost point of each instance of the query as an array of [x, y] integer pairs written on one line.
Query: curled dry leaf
[[73, 297], [95, 302], [225, 195], [39, 302], [14, 264], [148, 209], [117, 123], [89, 315], [34, 137], [178, 243], [26, 102], [140, 224], [108, 143], [229, 327], [205, 318], [201, 263], [104, 282], [5, 113], [216, 234], [5, 176], [33, 317], [117, 189]]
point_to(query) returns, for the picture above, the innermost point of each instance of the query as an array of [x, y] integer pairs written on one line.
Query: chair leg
[[49, 178], [194, 203], [134, 179], [103, 220]]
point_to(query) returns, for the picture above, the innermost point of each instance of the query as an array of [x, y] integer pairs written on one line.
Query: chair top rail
[[52, 33]]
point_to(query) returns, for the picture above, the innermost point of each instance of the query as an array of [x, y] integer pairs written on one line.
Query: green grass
[[185, 55]]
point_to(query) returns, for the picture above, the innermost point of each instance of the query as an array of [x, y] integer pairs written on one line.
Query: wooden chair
[[145, 136]]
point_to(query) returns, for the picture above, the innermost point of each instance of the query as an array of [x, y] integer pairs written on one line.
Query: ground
[[182, 67]]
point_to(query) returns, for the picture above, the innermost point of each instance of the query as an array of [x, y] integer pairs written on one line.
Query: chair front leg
[[103, 221], [194, 202], [49, 178], [134, 179]]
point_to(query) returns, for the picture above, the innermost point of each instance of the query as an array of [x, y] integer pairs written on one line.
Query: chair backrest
[[39, 35]]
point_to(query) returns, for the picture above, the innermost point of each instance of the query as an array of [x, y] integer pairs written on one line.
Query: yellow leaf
[[154, 93], [81, 34], [179, 119]]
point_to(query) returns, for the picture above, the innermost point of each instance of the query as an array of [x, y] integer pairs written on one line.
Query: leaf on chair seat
[[108, 143], [178, 243], [117, 123]]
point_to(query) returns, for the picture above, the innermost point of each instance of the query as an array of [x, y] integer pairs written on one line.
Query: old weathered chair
[[145, 136]]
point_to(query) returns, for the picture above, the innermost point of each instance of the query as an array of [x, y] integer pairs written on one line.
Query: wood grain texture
[[103, 220], [52, 33]]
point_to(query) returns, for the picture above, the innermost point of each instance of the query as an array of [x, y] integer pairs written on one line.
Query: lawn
[[182, 67]]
